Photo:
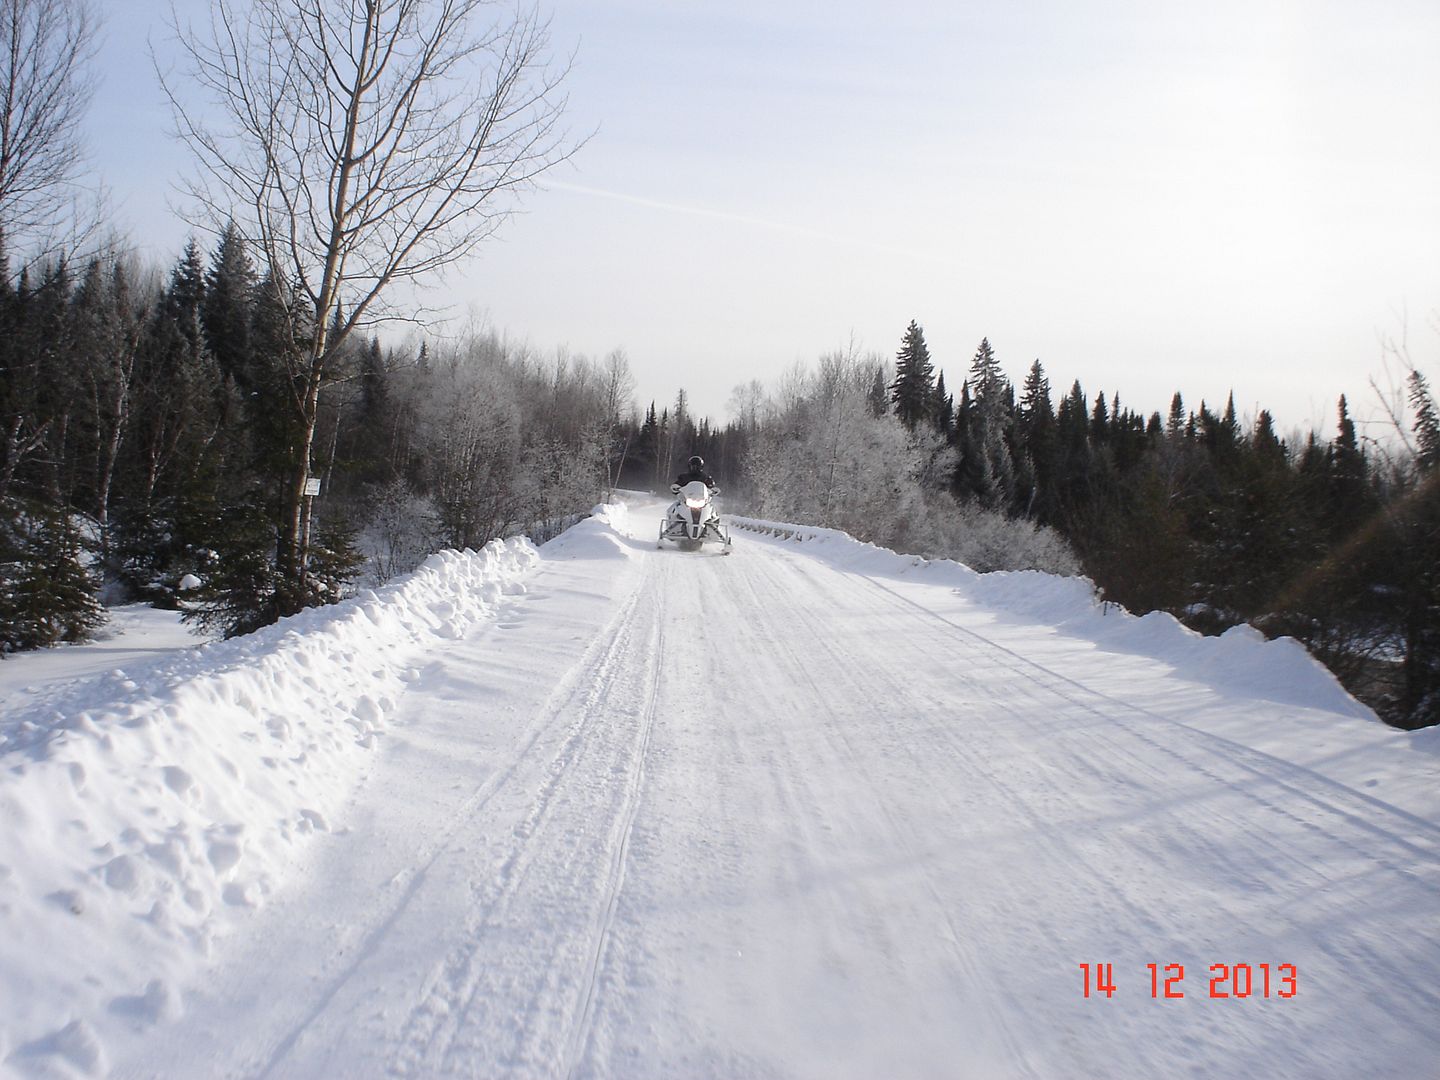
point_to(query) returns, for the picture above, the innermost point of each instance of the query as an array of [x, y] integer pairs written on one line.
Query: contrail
[[745, 219]]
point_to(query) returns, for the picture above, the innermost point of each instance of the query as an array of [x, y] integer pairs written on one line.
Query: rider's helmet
[[697, 463]]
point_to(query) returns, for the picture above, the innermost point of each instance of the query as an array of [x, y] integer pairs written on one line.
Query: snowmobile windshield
[[695, 494]]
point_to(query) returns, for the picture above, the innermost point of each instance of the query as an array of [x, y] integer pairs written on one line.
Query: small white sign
[[312, 486]]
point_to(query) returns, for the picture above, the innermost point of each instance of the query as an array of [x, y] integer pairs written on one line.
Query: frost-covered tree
[[826, 458]]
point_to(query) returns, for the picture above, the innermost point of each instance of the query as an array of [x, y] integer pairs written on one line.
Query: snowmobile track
[[463, 993]]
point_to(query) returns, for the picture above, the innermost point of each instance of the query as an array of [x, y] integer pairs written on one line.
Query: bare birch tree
[[359, 144], [44, 91]]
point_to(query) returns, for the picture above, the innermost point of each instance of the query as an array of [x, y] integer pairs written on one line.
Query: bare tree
[[616, 399], [44, 91], [359, 144]]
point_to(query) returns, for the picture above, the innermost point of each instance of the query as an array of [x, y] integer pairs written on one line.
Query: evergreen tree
[[1100, 422], [1267, 445], [987, 468], [1175, 424], [913, 390], [647, 442], [1427, 423], [226, 307], [878, 398], [46, 594], [943, 410], [1416, 559], [1035, 428], [987, 381], [370, 442], [1348, 498]]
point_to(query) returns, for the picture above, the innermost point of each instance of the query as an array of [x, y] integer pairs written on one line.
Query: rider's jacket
[[690, 476]]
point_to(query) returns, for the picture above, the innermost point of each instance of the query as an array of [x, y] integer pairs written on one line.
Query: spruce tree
[[913, 390], [943, 410], [1417, 522], [226, 309], [878, 397], [1175, 424], [1348, 499], [987, 381], [987, 466], [1427, 423], [1100, 422], [46, 594], [1035, 427]]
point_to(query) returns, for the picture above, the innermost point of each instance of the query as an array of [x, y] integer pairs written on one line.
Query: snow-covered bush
[[987, 540], [827, 457], [403, 528]]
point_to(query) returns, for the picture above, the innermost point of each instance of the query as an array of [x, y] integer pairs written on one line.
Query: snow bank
[[604, 534], [1239, 662], [137, 808]]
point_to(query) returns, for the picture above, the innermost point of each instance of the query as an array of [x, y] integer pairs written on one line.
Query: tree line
[[146, 456]]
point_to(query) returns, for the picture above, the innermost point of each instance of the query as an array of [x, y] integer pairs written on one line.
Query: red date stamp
[[1167, 981]]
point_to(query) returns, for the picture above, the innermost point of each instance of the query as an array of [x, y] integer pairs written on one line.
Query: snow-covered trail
[[679, 815]]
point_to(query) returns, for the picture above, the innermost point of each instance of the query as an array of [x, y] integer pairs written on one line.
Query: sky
[[1147, 196]]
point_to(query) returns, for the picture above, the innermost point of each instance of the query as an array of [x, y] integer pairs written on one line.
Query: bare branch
[[45, 88]]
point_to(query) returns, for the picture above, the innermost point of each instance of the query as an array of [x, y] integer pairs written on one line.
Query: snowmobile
[[692, 518]]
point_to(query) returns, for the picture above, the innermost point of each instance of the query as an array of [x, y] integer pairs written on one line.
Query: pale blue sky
[[1144, 195]]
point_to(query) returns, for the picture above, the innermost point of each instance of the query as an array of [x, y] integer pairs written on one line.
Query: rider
[[695, 472]]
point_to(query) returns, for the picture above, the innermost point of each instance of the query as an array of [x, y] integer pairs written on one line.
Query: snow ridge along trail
[[815, 810]]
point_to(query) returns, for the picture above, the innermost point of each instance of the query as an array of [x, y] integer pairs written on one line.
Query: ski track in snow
[[666, 814]]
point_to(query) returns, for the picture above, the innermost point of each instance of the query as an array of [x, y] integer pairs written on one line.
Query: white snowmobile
[[692, 518]]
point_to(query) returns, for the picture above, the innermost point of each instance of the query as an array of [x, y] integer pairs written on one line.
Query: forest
[[148, 419], [230, 436]]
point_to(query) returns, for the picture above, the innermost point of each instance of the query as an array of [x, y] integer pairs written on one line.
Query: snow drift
[[142, 804]]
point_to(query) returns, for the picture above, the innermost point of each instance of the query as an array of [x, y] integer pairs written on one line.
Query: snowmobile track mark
[[1272, 766], [580, 1033], [455, 1009], [902, 836]]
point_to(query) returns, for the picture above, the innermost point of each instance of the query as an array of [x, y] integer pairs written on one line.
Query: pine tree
[[1427, 423], [226, 309], [987, 381], [1266, 444], [1175, 424], [878, 398], [647, 441], [46, 594], [1035, 429], [1349, 502], [987, 468], [913, 390], [1100, 422], [943, 410], [371, 433]]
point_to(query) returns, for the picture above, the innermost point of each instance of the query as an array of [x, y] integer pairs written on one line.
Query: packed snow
[[819, 809]]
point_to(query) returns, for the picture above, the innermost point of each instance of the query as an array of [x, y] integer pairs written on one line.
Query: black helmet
[[697, 462]]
